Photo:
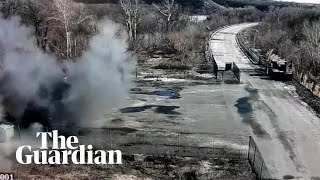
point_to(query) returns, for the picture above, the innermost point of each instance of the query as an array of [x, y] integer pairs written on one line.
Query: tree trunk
[[68, 43]]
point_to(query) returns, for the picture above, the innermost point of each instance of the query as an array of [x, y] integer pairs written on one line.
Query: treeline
[[294, 34], [262, 5], [60, 27], [63, 27], [168, 28], [195, 4]]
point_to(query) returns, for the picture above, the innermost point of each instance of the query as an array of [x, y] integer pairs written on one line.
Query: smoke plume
[[33, 85]]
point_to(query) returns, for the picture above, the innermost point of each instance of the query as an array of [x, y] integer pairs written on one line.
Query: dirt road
[[287, 131]]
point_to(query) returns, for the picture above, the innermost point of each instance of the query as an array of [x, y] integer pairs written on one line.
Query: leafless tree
[[67, 16], [168, 9], [34, 12], [132, 11], [9, 7], [83, 28], [312, 32]]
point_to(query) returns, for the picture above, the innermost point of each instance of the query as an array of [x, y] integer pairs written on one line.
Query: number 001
[[6, 177]]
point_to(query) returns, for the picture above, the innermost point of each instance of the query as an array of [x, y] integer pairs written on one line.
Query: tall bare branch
[[132, 11]]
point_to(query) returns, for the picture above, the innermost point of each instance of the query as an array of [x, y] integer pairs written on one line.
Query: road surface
[[286, 130], [223, 47]]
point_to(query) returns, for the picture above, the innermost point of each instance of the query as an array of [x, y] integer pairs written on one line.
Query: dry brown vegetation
[[144, 167], [294, 34], [63, 27]]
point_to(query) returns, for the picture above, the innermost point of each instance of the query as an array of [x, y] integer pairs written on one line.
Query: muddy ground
[[173, 113]]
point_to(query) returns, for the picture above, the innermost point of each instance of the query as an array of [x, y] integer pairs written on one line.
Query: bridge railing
[[257, 162], [236, 71], [253, 57]]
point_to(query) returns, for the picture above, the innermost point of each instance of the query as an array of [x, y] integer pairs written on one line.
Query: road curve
[[289, 135], [223, 47]]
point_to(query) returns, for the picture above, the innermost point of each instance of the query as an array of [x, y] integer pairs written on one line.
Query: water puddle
[[156, 108], [172, 94], [245, 109]]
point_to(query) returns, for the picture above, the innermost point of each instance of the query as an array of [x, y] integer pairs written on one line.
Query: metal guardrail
[[253, 57], [236, 71], [257, 162]]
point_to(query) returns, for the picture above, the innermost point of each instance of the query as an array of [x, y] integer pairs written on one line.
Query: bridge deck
[[223, 53]]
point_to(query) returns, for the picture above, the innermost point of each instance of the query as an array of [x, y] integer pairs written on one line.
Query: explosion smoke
[[32, 81]]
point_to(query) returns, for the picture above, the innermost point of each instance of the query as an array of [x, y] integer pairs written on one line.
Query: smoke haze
[[106, 82], [93, 85]]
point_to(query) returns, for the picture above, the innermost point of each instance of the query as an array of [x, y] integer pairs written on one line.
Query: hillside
[[262, 5], [185, 3]]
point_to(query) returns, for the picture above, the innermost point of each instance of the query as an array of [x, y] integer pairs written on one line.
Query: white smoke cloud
[[99, 80], [24, 67], [6, 150], [106, 82]]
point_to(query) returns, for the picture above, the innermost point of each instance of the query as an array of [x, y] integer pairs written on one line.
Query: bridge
[[286, 130]]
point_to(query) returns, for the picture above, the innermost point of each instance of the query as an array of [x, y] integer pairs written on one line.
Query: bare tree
[[168, 9], [64, 13], [132, 11], [9, 7], [67, 16], [84, 27], [35, 12], [312, 32]]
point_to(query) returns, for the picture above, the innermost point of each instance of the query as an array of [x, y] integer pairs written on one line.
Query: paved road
[[287, 131], [223, 47]]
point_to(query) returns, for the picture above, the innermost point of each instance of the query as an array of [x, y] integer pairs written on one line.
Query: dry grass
[[143, 167]]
